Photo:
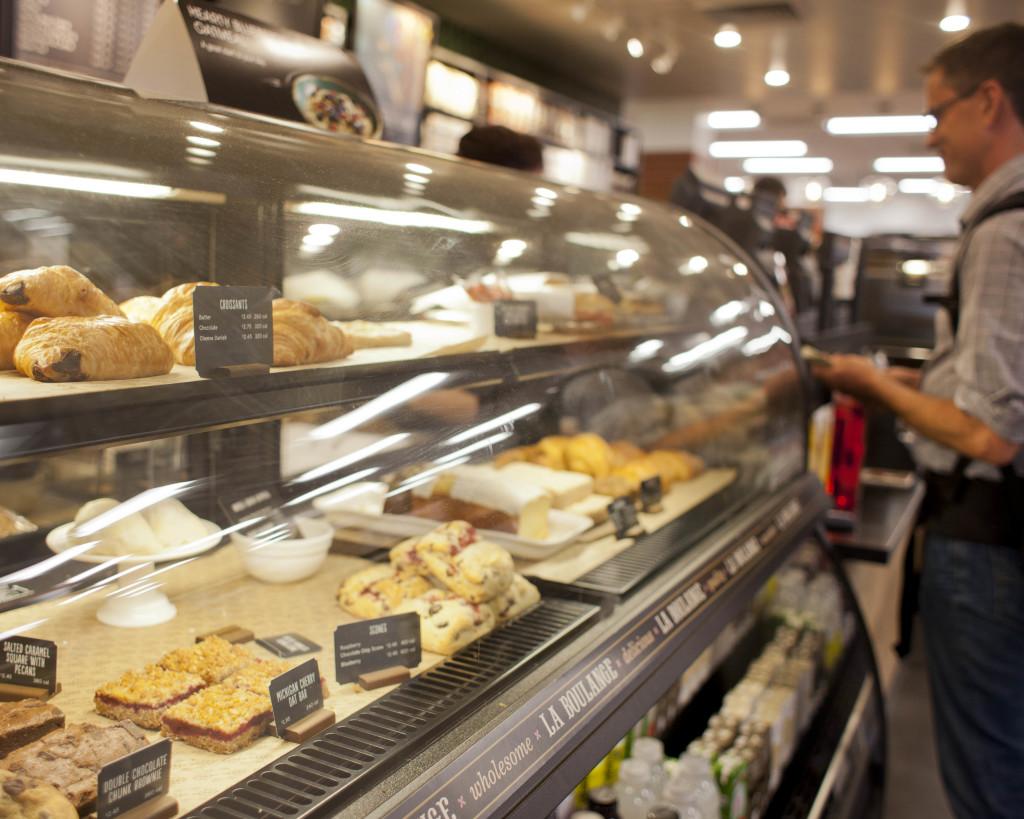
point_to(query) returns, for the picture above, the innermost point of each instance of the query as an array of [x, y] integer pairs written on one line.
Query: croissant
[[173, 320], [140, 308], [12, 327], [75, 348], [54, 291], [303, 336]]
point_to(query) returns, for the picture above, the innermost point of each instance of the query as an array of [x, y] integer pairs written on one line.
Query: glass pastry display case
[[560, 433]]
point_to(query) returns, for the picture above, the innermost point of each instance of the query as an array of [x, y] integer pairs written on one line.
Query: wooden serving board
[[213, 592], [577, 559]]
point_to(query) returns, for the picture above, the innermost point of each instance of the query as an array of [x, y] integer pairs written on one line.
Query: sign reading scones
[[375, 644]]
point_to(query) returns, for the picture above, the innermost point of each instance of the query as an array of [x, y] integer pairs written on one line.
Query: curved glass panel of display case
[[171, 505]]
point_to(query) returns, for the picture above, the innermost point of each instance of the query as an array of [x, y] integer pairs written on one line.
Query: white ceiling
[[844, 56]]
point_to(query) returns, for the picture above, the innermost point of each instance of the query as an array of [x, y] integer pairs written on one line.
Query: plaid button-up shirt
[[983, 371]]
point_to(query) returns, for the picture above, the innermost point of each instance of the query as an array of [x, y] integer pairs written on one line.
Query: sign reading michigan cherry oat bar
[[233, 326], [202, 52]]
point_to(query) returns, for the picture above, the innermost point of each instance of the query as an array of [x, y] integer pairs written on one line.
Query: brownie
[[70, 758], [25, 721]]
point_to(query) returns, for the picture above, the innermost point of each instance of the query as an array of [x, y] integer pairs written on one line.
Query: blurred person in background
[[968, 410], [499, 145]]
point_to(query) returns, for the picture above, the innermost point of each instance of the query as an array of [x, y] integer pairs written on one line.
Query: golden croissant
[[174, 321], [54, 291], [76, 348], [12, 327], [303, 336]]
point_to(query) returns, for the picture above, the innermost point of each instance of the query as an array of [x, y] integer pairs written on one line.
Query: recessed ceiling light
[[416, 167], [729, 120], [954, 22], [909, 164], [545, 193], [200, 152], [416, 178], [728, 37], [635, 48], [196, 160], [805, 164], [758, 147], [910, 124], [734, 184], [813, 191], [317, 240], [776, 77], [665, 62]]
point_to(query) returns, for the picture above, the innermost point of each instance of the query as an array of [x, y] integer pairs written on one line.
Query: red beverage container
[[847, 452]]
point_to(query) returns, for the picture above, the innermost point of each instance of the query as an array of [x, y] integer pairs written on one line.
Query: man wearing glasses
[[968, 410]]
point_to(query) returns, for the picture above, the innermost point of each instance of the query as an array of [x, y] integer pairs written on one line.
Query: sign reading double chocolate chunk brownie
[[30, 662], [375, 644], [134, 779], [296, 694]]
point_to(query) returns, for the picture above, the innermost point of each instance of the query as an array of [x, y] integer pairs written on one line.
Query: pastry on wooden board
[[140, 308], [12, 328], [366, 334], [174, 321], [303, 336], [54, 291], [98, 348]]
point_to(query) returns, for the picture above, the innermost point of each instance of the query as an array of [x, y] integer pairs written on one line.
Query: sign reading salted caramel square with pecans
[[30, 662]]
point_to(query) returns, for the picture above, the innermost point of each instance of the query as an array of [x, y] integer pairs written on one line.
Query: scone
[[24, 798], [405, 558], [447, 621], [516, 599], [479, 572], [378, 590]]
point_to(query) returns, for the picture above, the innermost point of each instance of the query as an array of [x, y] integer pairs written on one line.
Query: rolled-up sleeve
[[989, 350]]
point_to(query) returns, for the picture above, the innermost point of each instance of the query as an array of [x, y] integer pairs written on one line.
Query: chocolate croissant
[[54, 291], [75, 348], [12, 327], [174, 321], [303, 336]]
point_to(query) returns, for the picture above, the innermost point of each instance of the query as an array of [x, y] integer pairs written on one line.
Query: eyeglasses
[[939, 110]]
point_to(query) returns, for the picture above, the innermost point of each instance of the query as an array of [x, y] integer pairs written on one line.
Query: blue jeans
[[972, 603]]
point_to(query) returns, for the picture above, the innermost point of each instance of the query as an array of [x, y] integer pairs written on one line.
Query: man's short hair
[[995, 53], [502, 146], [769, 186]]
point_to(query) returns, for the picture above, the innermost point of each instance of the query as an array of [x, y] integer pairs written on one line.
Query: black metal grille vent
[[361, 749]]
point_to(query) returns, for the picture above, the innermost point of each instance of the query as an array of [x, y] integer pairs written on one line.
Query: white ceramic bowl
[[286, 561]]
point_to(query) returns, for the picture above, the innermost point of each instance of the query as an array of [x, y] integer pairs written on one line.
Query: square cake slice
[[24, 721], [213, 659], [143, 696], [220, 718], [257, 676]]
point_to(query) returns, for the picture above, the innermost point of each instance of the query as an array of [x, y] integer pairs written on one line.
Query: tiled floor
[[913, 787]]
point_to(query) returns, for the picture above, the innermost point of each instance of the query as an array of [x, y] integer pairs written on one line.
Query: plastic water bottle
[[635, 795], [693, 776], [652, 751]]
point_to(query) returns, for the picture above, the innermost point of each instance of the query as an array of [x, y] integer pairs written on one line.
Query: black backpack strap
[[951, 301]]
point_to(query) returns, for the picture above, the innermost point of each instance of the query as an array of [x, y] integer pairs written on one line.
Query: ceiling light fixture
[[200, 152], [777, 76], [416, 167], [416, 178], [735, 184], [323, 229], [665, 62], [733, 120], [204, 142], [956, 18], [852, 126], [813, 191], [925, 186], [612, 28], [758, 147], [909, 164], [635, 48], [728, 36], [805, 164]]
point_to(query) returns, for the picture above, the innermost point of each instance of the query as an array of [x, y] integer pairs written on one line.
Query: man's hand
[[855, 375]]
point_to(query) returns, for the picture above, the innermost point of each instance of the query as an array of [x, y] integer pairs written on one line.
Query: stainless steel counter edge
[[520, 754]]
